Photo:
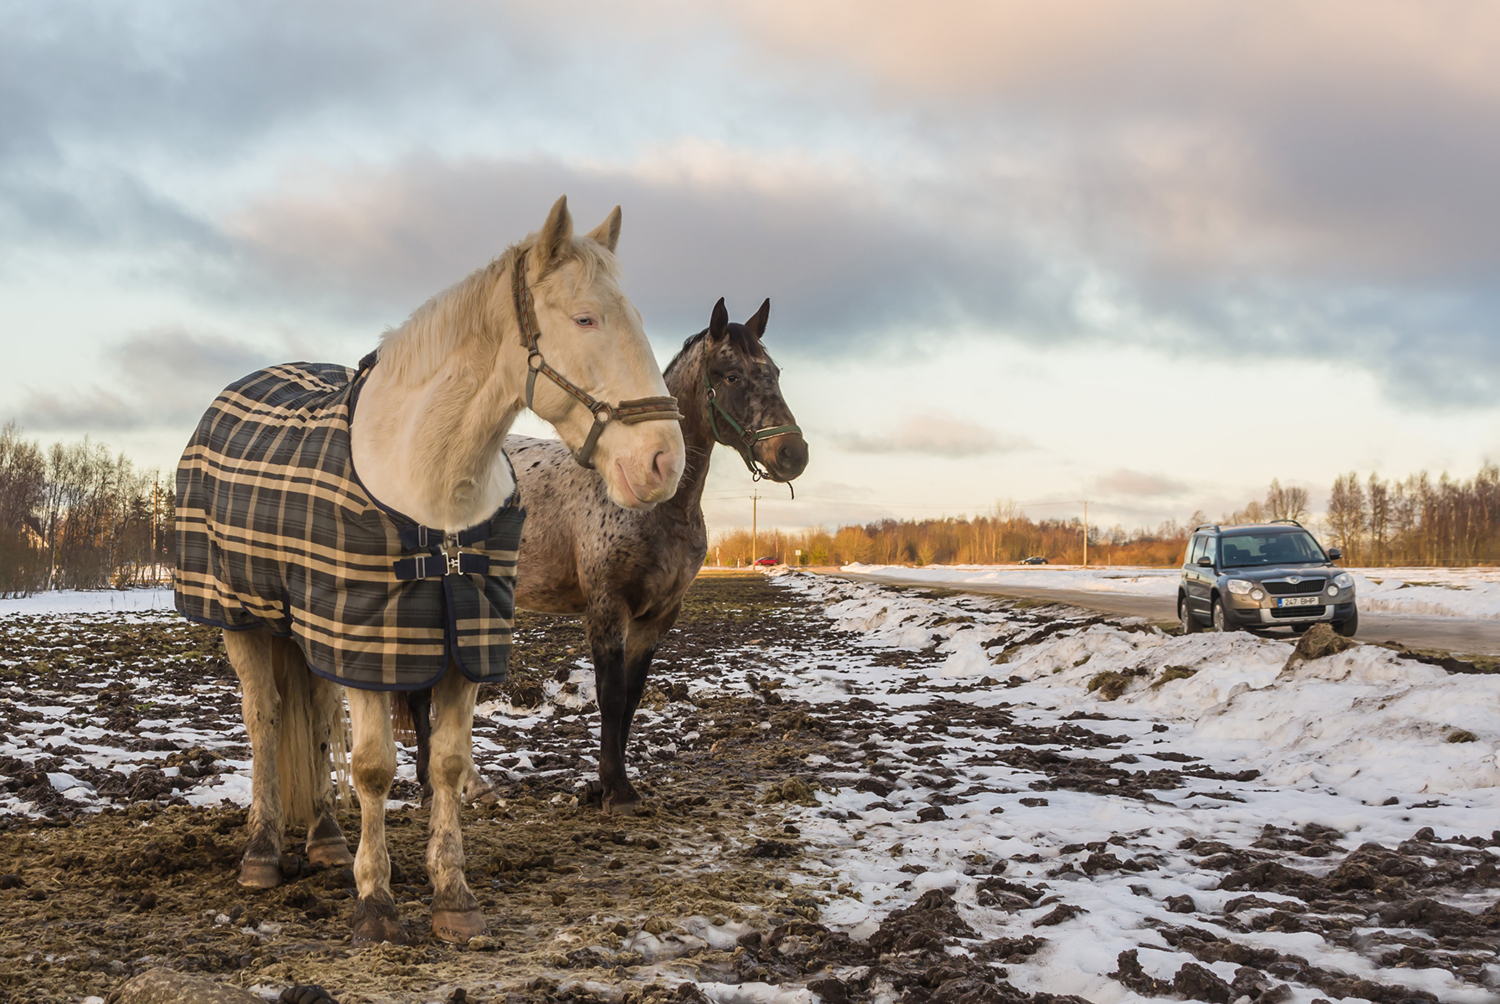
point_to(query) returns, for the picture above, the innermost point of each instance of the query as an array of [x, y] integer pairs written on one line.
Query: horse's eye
[[584, 322], [731, 378]]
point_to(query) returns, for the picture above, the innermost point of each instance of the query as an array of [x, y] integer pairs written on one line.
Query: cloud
[[1196, 179], [163, 377], [1123, 481], [932, 433]]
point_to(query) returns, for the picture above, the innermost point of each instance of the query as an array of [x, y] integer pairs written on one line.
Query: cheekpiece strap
[[644, 409]]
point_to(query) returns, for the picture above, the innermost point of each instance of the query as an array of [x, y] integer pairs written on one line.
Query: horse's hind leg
[[326, 845], [455, 912], [373, 766], [251, 653]]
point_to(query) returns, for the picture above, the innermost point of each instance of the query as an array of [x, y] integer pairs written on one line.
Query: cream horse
[[426, 441]]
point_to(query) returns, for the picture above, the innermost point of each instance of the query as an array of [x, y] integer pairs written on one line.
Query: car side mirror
[[1206, 561], [1334, 553]]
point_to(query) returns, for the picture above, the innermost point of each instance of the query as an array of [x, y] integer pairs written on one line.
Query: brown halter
[[641, 409]]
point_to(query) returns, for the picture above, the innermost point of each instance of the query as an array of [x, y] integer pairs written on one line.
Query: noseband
[[641, 409], [745, 439]]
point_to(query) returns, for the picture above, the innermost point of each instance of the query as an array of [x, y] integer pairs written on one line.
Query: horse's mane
[[739, 337], [461, 316]]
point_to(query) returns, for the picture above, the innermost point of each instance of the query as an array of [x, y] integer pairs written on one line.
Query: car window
[[1195, 549], [1245, 550], [1211, 547]]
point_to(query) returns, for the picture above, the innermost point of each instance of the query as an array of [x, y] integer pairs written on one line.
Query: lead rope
[[745, 442], [641, 409]]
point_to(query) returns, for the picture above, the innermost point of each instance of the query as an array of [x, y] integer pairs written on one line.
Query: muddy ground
[[714, 882]]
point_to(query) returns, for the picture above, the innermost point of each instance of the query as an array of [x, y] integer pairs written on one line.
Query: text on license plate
[[1300, 601]]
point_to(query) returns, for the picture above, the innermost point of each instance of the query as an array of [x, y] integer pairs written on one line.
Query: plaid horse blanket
[[274, 529]]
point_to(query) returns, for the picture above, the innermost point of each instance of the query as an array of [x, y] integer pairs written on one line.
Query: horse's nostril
[[791, 454], [661, 464]]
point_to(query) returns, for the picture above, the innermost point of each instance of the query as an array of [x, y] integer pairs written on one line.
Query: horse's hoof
[[457, 926], [622, 805], [260, 874], [480, 791], [330, 853], [376, 920]]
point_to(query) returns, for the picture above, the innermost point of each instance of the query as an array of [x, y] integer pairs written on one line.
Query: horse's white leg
[[455, 912], [251, 652], [326, 845], [373, 766]]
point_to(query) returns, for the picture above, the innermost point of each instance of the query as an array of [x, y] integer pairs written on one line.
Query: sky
[[1150, 254]]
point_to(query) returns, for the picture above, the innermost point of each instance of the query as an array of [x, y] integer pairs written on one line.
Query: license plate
[[1300, 601]]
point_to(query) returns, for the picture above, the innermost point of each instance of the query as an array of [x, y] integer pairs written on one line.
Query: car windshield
[[1242, 550]]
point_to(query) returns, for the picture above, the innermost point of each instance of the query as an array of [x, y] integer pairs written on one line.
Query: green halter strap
[[744, 439]]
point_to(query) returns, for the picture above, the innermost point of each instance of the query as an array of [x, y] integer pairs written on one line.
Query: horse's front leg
[[640, 649], [606, 633], [455, 911], [251, 653], [373, 766]]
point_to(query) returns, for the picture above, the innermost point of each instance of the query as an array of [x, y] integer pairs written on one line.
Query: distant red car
[[768, 560]]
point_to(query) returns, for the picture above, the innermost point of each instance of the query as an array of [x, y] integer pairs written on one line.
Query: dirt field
[[716, 883]]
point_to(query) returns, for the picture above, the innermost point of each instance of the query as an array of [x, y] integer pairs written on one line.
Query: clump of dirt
[[1318, 642]]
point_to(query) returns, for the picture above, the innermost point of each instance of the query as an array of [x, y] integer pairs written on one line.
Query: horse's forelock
[[740, 339]]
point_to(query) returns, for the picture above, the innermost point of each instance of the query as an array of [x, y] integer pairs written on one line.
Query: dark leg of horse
[[640, 649], [420, 703], [607, 642]]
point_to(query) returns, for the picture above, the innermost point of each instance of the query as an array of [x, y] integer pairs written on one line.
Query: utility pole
[[1085, 533], [754, 504]]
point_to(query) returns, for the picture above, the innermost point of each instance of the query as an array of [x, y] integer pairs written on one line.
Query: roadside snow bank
[[1365, 720], [1441, 592]]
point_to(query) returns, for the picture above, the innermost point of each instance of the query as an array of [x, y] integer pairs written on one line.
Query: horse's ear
[[608, 232], [556, 236], [718, 324], [757, 324]]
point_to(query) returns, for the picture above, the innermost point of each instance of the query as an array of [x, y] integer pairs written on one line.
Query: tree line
[[77, 516], [1377, 522]]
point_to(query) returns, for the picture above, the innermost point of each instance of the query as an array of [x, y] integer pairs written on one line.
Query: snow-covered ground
[[972, 757], [88, 601], [1442, 592], [1363, 742]]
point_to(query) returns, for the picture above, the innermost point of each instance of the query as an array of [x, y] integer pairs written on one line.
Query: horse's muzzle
[[784, 457]]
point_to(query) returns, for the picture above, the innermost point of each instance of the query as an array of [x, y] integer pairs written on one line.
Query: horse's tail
[[313, 741]]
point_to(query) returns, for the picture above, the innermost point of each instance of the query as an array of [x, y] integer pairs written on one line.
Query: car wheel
[[1348, 627], [1190, 623], [1220, 623]]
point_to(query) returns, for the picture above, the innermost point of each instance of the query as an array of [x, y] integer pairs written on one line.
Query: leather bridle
[[745, 439], [641, 409]]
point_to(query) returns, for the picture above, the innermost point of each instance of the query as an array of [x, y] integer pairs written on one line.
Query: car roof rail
[[1291, 521], [1205, 526]]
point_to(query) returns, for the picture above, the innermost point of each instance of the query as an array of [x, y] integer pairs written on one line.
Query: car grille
[[1300, 612], [1295, 588]]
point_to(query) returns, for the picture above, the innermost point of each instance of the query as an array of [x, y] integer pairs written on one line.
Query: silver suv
[[1263, 575]]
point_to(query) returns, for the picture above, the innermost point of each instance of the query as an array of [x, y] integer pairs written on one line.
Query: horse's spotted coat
[[274, 529]]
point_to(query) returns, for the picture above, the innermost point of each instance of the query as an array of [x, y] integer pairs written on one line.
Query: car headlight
[[1344, 580], [1239, 586], [1257, 595]]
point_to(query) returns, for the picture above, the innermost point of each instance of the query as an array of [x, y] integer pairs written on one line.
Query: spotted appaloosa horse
[[626, 572], [426, 439]]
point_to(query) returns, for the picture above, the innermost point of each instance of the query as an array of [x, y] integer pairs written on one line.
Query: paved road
[[1459, 635]]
